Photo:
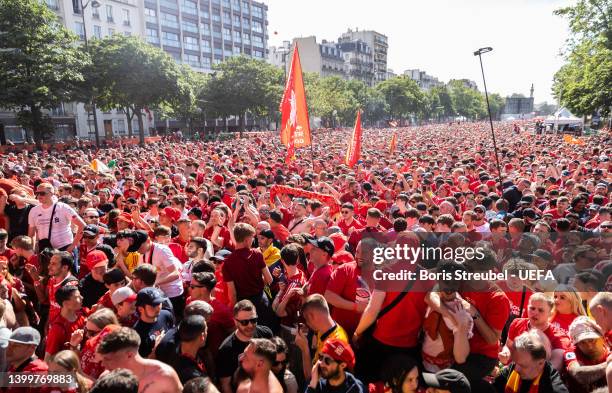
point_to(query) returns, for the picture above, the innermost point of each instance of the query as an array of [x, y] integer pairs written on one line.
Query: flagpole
[[312, 151]]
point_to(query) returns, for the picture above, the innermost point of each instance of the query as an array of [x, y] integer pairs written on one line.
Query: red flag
[[293, 106], [354, 148], [393, 143], [290, 147]]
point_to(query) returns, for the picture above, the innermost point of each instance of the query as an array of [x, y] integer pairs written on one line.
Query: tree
[[241, 84], [467, 102], [584, 83], [130, 74], [403, 97], [39, 63], [331, 99], [545, 109], [589, 20], [497, 103]]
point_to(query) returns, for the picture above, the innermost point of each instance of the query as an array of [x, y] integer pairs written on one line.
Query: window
[[111, 31], [257, 41], [152, 36], [227, 17], [191, 43], [227, 34], [169, 4], [170, 39], [135, 125], [204, 13], [169, 20], [76, 6], [53, 4], [205, 28], [109, 13], [245, 7], [237, 50], [236, 4], [217, 32], [206, 62], [151, 15], [217, 60], [190, 7], [121, 126], [95, 13], [206, 46], [257, 12], [237, 37], [216, 16], [97, 32], [228, 52], [218, 51], [257, 27], [258, 53], [246, 25], [226, 3], [79, 29], [189, 26], [126, 17], [246, 38], [193, 60], [237, 21]]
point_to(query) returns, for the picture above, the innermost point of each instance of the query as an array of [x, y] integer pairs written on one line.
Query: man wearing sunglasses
[[245, 318], [348, 223], [331, 372]]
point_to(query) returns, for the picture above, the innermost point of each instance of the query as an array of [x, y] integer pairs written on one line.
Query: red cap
[[171, 213], [340, 352], [490, 183], [218, 179], [96, 258]]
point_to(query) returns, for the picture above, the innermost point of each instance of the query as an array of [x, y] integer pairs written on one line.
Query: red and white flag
[[354, 148], [293, 107]]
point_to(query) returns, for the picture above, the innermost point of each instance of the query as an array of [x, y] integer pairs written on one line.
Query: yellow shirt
[[271, 255], [336, 332], [131, 260]]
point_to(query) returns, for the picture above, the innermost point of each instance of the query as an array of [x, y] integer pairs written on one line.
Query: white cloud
[[440, 36]]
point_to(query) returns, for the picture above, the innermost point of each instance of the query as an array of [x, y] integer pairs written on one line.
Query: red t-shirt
[[223, 233], [179, 252], [563, 321], [106, 302], [52, 286], [37, 366], [221, 321], [60, 331], [319, 280], [221, 292], [346, 227], [281, 233], [515, 299], [244, 268], [407, 314], [347, 282], [558, 338], [494, 308], [295, 302]]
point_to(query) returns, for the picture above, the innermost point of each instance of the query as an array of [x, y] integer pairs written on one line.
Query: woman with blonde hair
[[68, 362], [568, 306]]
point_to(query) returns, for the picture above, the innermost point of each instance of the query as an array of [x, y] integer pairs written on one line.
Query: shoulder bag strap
[[51, 221]]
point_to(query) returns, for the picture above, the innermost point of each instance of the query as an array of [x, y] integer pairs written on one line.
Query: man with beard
[[330, 372], [256, 361], [154, 322]]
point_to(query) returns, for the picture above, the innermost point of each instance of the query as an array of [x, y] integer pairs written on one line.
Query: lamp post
[[94, 4], [479, 53]]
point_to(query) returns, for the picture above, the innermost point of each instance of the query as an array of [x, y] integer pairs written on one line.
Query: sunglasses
[[196, 286], [40, 193], [345, 212], [279, 362], [92, 217], [246, 322], [327, 360]]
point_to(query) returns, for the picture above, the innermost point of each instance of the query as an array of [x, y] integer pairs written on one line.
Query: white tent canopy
[[563, 117]]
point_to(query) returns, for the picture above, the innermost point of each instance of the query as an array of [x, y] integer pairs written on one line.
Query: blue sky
[[440, 36]]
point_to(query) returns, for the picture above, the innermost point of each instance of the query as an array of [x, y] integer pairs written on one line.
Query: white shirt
[[61, 232], [163, 260]]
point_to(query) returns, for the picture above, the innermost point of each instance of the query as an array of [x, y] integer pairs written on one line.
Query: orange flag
[[293, 106], [290, 147], [571, 140], [354, 148], [393, 143]]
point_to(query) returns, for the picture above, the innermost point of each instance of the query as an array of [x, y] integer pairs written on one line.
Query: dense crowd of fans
[[217, 266]]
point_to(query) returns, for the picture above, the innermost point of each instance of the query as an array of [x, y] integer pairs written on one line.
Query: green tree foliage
[[39, 63], [497, 103], [241, 84], [589, 20], [128, 73], [467, 102], [403, 97]]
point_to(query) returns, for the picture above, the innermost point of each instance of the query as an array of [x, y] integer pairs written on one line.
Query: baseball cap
[[340, 352], [91, 230], [267, 233], [25, 335], [582, 328], [221, 255], [113, 276], [95, 259], [123, 294], [544, 254], [324, 243], [594, 206], [481, 208], [448, 379], [171, 213], [139, 238], [565, 173], [149, 296]]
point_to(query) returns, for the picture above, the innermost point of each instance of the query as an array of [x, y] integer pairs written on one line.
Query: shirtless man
[[119, 349], [256, 361]]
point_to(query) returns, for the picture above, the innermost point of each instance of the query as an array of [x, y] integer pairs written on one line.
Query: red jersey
[[558, 338], [563, 321], [221, 322], [60, 331], [221, 292], [319, 280], [244, 268], [52, 285], [345, 228], [515, 298], [32, 365]]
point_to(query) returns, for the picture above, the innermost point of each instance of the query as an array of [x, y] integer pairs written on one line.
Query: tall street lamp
[[94, 4], [479, 53]]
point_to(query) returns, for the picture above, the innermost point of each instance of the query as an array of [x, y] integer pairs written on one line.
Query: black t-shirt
[[232, 347], [168, 349], [18, 220], [148, 332], [189, 368], [91, 290]]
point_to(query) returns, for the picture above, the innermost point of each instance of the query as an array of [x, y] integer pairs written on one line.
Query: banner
[[293, 106], [99, 166], [290, 147], [393, 143], [329, 200], [354, 148], [571, 140]]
